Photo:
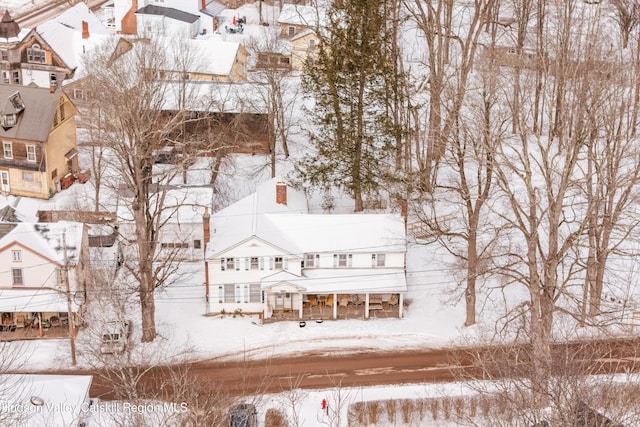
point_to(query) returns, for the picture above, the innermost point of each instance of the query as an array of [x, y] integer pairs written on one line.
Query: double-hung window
[[31, 153], [8, 150], [311, 260], [342, 260], [17, 276], [378, 260]]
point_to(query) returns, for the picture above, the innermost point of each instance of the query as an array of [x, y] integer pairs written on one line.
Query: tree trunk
[[472, 273]]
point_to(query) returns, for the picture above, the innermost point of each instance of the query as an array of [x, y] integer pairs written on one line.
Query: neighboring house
[[121, 15], [72, 34], [181, 236], [294, 19], [38, 137], [47, 400], [207, 60], [26, 58], [167, 22], [304, 46], [197, 60], [267, 255], [39, 261]]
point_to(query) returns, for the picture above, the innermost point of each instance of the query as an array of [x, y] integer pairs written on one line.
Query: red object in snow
[[234, 20], [324, 403]]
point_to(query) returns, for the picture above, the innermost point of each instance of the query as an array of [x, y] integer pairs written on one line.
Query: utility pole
[[72, 329]]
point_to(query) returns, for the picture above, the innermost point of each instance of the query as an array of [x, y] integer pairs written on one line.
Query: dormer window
[[17, 102], [9, 120], [36, 54]]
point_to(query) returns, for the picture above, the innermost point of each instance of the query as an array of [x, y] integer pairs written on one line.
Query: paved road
[[326, 370]]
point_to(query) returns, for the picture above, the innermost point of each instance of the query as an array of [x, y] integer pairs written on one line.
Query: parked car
[[243, 415], [115, 336]]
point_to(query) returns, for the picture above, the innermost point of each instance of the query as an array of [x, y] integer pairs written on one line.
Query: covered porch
[[34, 313], [377, 294], [327, 310]]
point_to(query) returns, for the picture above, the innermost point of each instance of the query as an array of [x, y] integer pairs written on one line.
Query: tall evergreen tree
[[348, 80]]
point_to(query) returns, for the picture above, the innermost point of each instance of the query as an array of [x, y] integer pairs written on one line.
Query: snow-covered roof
[[295, 14], [302, 34], [46, 239], [216, 97], [64, 33], [291, 228], [59, 398], [332, 280], [333, 232], [35, 300], [204, 56], [181, 205]]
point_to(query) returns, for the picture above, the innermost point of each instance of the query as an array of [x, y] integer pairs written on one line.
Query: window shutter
[[236, 264], [261, 263], [222, 263], [246, 264], [270, 263], [335, 260], [285, 264], [350, 260]]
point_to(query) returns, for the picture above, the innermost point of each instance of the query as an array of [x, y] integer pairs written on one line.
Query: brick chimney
[[204, 5], [206, 226], [281, 193], [129, 25], [85, 30]]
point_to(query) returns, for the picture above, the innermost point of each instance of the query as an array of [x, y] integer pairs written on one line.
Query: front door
[[284, 301], [4, 181]]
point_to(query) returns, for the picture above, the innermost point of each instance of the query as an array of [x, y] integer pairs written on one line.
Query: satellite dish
[[79, 298], [37, 401]]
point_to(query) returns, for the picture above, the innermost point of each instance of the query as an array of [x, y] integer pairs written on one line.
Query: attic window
[[35, 54]]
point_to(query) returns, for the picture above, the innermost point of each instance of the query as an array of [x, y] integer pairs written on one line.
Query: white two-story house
[[267, 255], [43, 264]]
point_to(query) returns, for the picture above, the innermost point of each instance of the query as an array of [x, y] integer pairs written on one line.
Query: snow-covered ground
[[434, 317]]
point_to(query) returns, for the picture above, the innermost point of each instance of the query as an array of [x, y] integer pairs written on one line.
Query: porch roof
[[351, 281], [34, 300]]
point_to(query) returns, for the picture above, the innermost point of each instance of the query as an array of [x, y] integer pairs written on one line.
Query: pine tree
[[348, 79]]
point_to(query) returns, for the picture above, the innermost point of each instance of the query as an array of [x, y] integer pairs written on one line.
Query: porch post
[[366, 305], [335, 306], [300, 305], [400, 298]]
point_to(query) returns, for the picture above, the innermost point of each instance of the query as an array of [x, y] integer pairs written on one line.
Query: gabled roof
[[64, 33], [295, 14], [203, 56], [182, 204], [291, 228], [35, 121], [303, 34], [168, 12], [46, 240]]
